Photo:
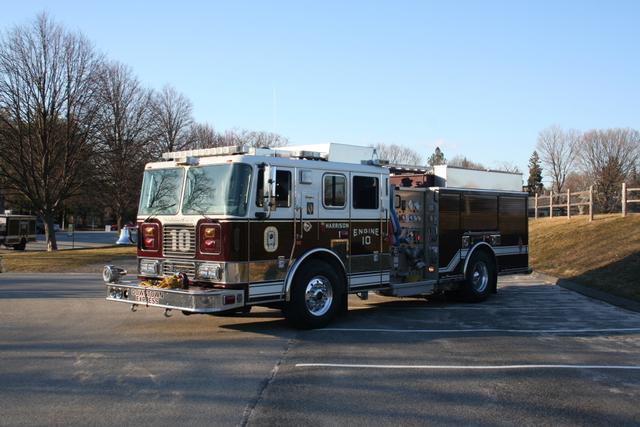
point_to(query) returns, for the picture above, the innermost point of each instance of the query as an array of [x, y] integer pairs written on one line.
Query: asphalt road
[[533, 354]]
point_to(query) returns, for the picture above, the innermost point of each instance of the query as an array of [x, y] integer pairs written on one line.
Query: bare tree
[[172, 117], [261, 139], [123, 136], [397, 154], [558, 150], [203, 135], [47, 96], [246, 137], [463, 162], [609, 157], [577, 181], [507, 167]]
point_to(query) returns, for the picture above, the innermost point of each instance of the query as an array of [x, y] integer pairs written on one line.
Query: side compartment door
[[385, 229]]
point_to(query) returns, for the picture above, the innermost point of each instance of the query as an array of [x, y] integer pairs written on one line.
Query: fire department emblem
[[270, 239]]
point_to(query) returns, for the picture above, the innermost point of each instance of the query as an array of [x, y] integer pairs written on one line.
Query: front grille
[[179, 241], [171, 267]]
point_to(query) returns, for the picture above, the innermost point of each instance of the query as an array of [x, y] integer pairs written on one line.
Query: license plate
[[147, 296]]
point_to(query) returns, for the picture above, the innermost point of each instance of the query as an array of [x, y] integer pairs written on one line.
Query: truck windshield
[[161, 189], [217, 190]]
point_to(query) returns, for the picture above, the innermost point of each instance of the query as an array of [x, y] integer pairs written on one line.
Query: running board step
[[410, 289]]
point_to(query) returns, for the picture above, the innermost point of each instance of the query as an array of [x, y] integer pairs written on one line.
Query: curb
[[592, 293]]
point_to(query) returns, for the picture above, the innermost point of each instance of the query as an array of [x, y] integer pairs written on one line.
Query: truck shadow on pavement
[[625, 284]]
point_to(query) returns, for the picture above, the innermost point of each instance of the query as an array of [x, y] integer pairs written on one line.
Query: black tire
[[480, 279], [20, 246], [317, 295]]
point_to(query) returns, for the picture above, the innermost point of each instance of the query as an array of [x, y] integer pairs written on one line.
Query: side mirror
[[269, 188], [133, 234]]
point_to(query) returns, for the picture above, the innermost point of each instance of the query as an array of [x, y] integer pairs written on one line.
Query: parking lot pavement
[[533, 354]]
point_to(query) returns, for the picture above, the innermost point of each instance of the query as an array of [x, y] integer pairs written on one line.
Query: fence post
[[535, 206], [568, 204], [590, 203], [551, 204], [624, 199]]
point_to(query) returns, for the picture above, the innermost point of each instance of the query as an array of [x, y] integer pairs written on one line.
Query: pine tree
[[634, 176], [437, 158], [534, 183]]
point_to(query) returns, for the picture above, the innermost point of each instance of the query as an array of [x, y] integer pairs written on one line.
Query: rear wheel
[[20, 246], [480, 278], [317, 294]]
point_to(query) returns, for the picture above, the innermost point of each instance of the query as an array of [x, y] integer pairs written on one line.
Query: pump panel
[[416, 252]]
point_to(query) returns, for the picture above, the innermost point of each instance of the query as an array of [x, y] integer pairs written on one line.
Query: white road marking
[[439, 331], [464, 367], [486, 307]]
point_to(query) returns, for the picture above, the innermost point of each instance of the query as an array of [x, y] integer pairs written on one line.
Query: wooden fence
[[563, 202]]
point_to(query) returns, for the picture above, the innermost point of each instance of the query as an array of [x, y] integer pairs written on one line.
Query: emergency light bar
[[325, 152], [207, 152], [183, 156]]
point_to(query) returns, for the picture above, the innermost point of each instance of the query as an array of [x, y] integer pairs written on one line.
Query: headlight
[[209, 271], [149, 266]]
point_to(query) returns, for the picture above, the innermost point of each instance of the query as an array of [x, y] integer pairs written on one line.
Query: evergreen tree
[[437, 158], [634, 177], [534, 183]]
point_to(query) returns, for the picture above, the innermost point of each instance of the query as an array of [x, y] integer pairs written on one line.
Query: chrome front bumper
[[190, 300]]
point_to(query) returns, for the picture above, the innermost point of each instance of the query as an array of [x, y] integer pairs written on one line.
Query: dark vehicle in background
[[17, 230]]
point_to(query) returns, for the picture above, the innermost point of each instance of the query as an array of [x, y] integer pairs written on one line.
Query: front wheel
[[317, 294], [480, 278]]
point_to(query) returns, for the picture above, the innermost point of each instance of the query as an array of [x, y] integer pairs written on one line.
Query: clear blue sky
[[476, 78]]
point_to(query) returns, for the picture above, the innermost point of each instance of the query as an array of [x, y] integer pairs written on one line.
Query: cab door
[[334, 224], [271, 239], [367, 217]]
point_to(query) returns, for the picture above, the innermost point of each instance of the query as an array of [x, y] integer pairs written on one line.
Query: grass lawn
[[65, 261], [603, 254]]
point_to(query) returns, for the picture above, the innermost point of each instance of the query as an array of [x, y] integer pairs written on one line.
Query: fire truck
[[301, 228]]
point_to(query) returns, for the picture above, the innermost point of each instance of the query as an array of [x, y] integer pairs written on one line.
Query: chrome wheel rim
[[480, 277], [318, 295]]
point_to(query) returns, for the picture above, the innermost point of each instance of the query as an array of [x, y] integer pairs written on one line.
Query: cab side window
[[283, 188], [334, 191], [365, 192]]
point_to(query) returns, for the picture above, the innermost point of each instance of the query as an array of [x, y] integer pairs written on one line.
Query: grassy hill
[[73, 260], [603, 254]]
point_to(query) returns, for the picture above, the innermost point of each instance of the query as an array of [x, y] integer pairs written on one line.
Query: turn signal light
[[210, 238], [150, 237]]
